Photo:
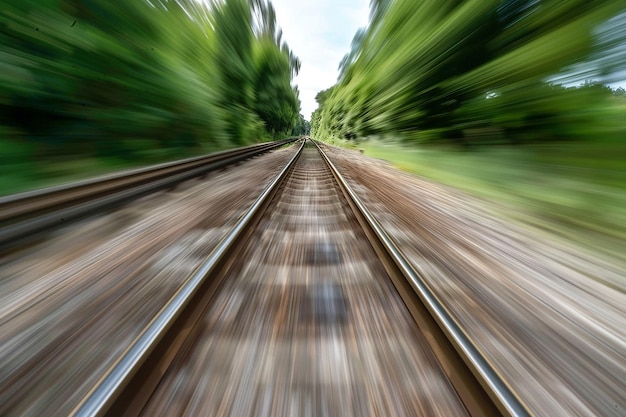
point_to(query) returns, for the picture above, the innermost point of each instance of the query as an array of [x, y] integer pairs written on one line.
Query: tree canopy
[[134, 77], [467, 70]]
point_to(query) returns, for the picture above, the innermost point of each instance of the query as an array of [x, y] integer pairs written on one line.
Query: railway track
[[304, 308], [23, 216]]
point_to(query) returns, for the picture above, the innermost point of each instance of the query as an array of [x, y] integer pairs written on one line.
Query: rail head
[[100, 398], [505, 399]]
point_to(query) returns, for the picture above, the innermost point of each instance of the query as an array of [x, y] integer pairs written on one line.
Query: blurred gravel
[[549, 316], [306, 323], [71, 304]]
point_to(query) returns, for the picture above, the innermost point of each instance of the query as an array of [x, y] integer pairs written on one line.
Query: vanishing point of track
[[305, 308]]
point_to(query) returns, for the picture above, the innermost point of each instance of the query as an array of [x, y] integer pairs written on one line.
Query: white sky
[[319, 32]]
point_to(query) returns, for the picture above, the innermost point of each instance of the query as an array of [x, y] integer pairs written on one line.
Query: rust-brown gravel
[[308, 324], [551, 318], [71, 305]]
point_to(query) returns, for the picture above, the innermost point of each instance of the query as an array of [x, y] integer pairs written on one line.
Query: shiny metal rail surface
[[25, 214], [547, 312], [302, 320], [163, 327], [72, 303], [499, 391]]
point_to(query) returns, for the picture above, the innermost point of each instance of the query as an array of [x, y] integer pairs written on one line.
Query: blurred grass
[[576, 190]]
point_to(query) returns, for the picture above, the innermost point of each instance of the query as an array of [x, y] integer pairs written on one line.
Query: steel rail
[[506, 401], [98, 401], [23, 215]]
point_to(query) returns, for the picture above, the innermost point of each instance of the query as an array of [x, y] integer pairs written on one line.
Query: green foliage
[[272, 86], [137, 80], [577, 190], [302, 127], [475, 71]]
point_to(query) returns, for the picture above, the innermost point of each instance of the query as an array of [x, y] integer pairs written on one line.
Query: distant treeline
[[480, 71], [132, 78]]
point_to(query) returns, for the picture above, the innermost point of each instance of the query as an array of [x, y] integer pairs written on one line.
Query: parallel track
[[294, 313], [23, 216]]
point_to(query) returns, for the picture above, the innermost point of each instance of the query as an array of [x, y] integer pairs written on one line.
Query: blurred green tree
[[141, 80], [472, 71]]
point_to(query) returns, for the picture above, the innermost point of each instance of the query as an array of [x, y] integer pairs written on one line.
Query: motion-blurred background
[[517, 101], [522, 101], [87, 86]]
